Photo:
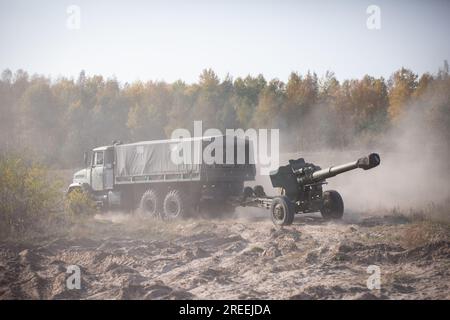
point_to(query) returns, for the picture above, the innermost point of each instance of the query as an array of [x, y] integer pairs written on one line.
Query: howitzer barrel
[[366, 163]]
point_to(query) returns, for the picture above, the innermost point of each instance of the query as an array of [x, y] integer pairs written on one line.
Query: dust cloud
[[413, 175]]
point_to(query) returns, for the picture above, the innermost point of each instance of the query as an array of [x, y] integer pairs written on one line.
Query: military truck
[[143, 176]]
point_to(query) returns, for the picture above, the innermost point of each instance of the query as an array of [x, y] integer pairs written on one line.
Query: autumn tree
[[147, 116], [7, 119], [58, 119], [268, 112], [246, 98], [401, 87], [39, 124]]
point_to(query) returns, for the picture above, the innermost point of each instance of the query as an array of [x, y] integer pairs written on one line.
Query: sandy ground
[[243, 257]]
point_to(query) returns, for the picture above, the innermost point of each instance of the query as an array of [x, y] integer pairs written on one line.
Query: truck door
[[97, 171], [108, 171]]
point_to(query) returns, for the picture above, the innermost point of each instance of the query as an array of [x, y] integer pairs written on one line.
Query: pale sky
[[170, 40]]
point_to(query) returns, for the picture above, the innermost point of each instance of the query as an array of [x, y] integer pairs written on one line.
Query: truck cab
[[102, 169], [98, 174]]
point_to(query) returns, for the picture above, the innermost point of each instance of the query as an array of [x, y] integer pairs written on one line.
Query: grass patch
[[425, 231]]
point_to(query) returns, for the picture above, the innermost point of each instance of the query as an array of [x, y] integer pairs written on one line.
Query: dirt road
[[123, 257]]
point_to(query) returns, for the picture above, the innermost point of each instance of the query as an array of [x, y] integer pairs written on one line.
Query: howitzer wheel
[[259, 191], [333, 205], [282, 211], [248, 192]]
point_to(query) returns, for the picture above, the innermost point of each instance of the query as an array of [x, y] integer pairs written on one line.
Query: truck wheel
[[333, 205], [282, 211], [150, 204], [176, 205]]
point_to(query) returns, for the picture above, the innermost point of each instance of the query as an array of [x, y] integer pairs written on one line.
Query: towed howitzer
[[301, 189]]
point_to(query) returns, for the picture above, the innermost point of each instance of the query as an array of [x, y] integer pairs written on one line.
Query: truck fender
[[73, 186]]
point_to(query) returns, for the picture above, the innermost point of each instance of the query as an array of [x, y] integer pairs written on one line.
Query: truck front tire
[[176, 205], [150, 204]]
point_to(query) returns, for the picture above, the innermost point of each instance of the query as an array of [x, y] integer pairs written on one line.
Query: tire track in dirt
[[231, 259]]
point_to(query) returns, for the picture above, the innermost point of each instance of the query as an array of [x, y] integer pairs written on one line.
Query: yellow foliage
[[79, 203], [27, 195]]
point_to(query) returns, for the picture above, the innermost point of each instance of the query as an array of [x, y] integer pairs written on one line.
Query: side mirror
[[85, 158]]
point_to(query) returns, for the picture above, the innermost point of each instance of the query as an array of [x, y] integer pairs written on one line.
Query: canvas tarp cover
[[148, 159]]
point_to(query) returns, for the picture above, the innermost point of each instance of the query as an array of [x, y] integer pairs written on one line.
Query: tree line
[[56, 120]]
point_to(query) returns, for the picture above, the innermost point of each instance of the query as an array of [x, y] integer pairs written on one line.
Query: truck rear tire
[[150, 204], [282, 211], [333, 205], [176, 205]]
